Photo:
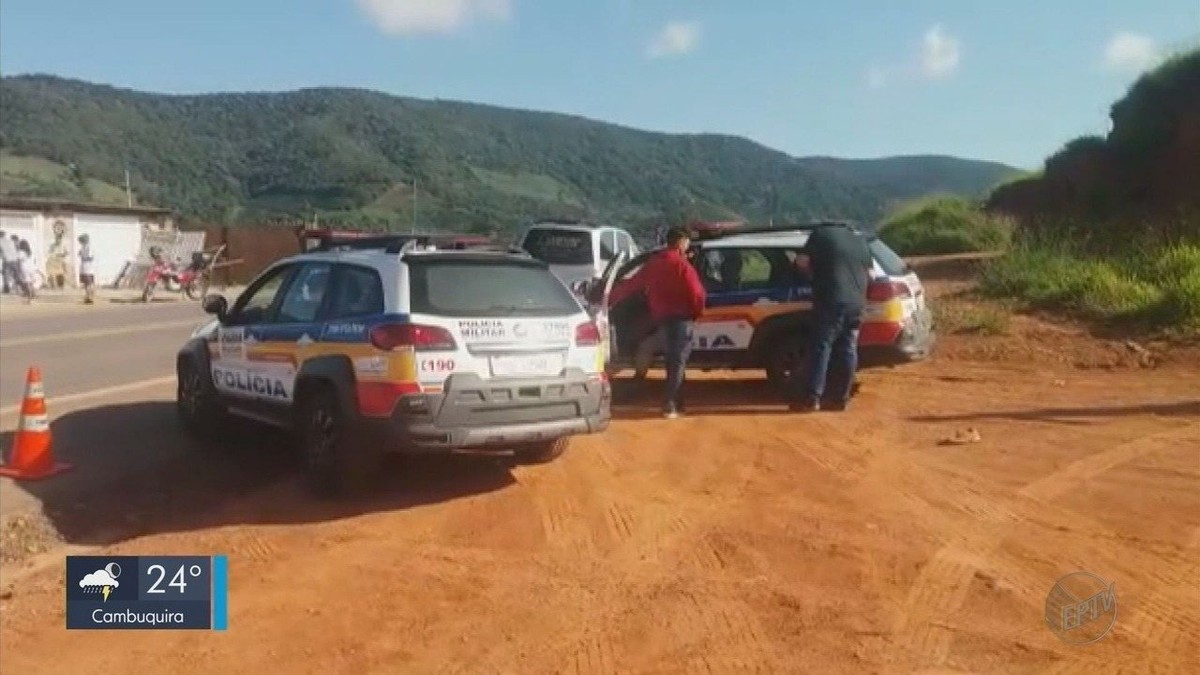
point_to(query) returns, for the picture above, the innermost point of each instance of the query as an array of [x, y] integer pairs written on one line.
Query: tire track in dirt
[[829, 458], [942, 585], [1168, 618], [620, 521], [611, 450], [940, 588], [617, 521], [595, 656], [726, 623], [562, 514], [710, 557], [254, 547], [1061, 481], [1150, 664]]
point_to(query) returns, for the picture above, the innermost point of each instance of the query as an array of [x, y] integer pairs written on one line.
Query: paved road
[[109, 377], [82, 350]]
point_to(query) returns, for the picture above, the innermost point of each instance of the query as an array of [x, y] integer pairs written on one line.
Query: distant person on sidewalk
[[56, 259], [26, 270], [838, 261], [8, 257], [87, 274], [676, 299]]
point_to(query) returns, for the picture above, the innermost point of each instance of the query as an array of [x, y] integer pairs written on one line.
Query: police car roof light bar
[[365, 243], [576, 222], [798, 227]]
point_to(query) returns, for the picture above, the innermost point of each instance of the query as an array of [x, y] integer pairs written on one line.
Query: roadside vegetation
[[1157, 289], [962, 319], [944, 225], [1110, 229]]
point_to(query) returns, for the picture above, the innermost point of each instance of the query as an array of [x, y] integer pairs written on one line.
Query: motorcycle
[[192, 281]]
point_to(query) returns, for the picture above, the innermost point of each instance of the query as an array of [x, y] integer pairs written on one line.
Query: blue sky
[[1010, 81]]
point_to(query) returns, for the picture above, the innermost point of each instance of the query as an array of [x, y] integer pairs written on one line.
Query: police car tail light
[[587, 334], [882, 291], [378, 399], [391, 336]]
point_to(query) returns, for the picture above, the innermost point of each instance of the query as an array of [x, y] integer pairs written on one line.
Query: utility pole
[[128, 192], [414, 223]]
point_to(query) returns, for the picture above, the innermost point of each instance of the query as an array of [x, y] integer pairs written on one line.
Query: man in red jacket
[[676, 298]]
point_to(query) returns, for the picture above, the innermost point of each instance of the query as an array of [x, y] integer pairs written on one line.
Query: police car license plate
[[527, 365]]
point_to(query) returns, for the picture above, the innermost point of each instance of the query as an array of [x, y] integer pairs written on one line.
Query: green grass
[[1159, 289], [38, 177], [944, 225], [534, 186], [396, 199], [954, 318]]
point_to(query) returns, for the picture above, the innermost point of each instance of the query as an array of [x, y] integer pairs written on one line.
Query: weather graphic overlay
[[102, 581], [146, 592]]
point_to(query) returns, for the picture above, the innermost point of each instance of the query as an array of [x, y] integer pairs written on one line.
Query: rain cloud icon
[[101, 581]]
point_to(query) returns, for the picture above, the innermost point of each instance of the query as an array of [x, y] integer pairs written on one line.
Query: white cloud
[[1130, 52], [939, 57], [412, 17], [98, 578], [675, 39], [940, 53]]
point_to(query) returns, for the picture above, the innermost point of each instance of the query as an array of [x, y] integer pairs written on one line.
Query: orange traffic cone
[[32, 456]]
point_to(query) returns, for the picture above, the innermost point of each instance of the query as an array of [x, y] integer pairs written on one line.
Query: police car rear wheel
[[786, 356], [333, 463], [319, 440]]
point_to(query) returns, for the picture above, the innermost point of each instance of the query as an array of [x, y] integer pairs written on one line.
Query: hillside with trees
[[1142, 178], [1108, 231], [363, 158]]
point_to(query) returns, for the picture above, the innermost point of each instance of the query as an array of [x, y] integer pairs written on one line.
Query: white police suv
[[381, 345]]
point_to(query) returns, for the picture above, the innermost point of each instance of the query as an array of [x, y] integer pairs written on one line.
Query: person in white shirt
[[26, 270], [87, 274], [8, 258]]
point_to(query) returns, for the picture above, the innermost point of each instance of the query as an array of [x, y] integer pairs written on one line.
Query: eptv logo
[[1081, 608]]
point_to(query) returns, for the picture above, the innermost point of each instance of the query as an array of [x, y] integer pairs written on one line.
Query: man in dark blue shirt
[[839, 264]]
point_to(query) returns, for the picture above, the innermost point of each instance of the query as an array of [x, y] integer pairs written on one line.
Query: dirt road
[[739, 539]]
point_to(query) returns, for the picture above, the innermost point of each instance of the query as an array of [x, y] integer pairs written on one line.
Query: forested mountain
[[354, 156]]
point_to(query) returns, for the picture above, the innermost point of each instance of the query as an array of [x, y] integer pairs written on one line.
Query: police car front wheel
[[196, 403]]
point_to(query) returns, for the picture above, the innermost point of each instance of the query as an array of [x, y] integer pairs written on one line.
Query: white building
[[53, 227]]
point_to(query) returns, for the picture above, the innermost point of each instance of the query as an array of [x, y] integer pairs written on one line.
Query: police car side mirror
[[216, 305]]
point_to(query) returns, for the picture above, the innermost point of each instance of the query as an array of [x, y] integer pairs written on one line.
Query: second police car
[[759, 305]]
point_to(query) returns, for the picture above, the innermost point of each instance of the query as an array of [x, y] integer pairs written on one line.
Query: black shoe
[[807, 405], [835, 406]]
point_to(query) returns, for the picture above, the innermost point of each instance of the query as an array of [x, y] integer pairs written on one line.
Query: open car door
[[597, 297]]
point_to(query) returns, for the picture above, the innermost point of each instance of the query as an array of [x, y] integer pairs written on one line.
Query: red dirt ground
[[739, 539]]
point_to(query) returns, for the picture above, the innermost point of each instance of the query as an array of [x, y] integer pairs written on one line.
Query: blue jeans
[[834, 337], [677, 348]]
